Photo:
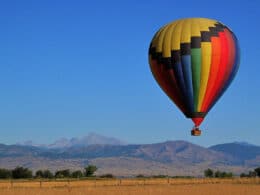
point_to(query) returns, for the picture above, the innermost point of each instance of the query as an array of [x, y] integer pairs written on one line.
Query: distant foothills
[[113, 156], [90, 139]]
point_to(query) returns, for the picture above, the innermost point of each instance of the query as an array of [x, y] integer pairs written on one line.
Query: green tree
[[208, 173], [47, 174], [108, 175], [58, 174], [5, 173], [252, 174], [140, 176], [229, 174], [62, 173], [217, 174], [77, 174], [21, 172], [257, 170], [39, 174], [225, 174], [90, 170], [160, 176]]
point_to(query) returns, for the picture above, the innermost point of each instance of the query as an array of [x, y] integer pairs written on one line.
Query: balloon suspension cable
[[196, 131]]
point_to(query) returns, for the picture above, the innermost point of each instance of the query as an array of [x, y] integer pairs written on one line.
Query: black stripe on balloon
[[155, 55], [159, 57], [176, 56], [195, 42], [196, 115], [152, 52], [185, 49], [167, 62], [218, 24], [213, 31], [219, 27], [151, 49], [205, 36]]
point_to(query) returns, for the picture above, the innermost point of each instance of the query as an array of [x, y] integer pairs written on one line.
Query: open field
[[133, 187]]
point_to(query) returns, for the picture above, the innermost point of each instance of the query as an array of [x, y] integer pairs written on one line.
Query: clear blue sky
[[68, 68]]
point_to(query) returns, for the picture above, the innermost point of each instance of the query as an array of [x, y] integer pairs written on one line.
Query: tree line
[[25, 173], [217, 174], [252, 173], [222, 174]]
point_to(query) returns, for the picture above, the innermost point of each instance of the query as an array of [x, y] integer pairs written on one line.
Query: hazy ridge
[[114, 156]]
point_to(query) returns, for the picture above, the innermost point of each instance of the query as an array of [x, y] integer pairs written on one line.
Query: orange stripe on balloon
[[229, 66], [221, 70], [215, 61]]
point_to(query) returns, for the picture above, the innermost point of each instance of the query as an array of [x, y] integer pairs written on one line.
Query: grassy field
[[133, 187]]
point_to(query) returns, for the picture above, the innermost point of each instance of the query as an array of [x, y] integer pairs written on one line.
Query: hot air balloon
[[194, 60]]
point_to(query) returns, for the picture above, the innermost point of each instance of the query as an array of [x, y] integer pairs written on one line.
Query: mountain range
[[90, 139], [114, 156]]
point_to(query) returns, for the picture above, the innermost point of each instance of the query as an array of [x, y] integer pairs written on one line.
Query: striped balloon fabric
[[194, 60]]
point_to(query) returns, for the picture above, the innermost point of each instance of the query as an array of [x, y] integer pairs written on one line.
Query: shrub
[[62, 173], [90, 170], [47, 174], [39, 174], [208, 173], [140, 176], [77, 174], [257, 171], [217, 174], [252, 174], [244, 175], [5, 173], [108, 175], [160, 176], [20, 172]]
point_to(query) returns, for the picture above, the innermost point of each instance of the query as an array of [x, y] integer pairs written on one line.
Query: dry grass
[[133, 187]]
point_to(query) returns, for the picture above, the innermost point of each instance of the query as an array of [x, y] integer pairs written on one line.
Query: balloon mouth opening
[[197, 121]]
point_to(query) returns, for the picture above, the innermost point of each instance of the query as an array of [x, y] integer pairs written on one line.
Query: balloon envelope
[[194, 60]]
